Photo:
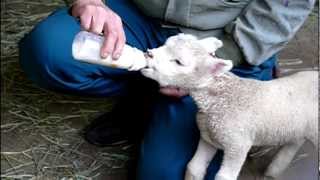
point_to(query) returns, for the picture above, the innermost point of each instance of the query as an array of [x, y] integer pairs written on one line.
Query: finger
[[109, 42], [120, 42], [182, 92], [97, 24], [169, 92], [85, 21], [173, 92]]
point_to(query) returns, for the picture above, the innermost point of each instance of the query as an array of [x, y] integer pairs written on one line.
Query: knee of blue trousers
[[263, 72], [46, 58], [170, 140]]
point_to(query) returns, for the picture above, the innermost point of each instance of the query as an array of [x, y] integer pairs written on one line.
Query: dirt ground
[[41, 130]]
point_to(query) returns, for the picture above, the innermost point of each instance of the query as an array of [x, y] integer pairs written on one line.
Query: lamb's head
[[185, 62]]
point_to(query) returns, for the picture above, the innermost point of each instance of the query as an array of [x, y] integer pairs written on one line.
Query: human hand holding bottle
[[96, 17]]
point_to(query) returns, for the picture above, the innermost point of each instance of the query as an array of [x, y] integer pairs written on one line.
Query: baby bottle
[[86, 47]]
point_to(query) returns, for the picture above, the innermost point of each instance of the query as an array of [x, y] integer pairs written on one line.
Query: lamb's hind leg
[[197, 167], [282, 159]]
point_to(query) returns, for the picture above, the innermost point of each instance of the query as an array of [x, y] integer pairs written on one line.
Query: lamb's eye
[[177, 62]]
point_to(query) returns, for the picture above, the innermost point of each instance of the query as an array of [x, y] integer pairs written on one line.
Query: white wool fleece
[[236, 113]]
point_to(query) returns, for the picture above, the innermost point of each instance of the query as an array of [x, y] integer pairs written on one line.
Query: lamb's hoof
[[268, 178], [191, 176], [270, 174], [223, 177]]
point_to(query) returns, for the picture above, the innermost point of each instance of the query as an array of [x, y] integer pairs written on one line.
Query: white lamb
[[236, 113]]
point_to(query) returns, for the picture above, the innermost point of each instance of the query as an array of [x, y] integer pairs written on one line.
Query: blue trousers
[[171, 136]]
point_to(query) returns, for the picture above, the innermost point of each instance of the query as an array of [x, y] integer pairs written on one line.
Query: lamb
[[236, 113]]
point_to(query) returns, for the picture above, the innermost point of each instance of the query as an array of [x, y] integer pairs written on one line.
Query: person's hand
[[96, 17], [173, 92]]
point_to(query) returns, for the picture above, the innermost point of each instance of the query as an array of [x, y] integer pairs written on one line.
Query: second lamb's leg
[[197, 167], [282, 159], [233, 159]]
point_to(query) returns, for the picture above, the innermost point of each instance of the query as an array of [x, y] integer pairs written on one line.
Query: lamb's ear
[[221, 66], [211, 44]]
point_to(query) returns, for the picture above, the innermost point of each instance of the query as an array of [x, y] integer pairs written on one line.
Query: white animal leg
[[282, 159], [233, 159], [197, 167]]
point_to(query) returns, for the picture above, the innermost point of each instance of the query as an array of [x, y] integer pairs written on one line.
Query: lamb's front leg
[[197, 167], [233, 159]]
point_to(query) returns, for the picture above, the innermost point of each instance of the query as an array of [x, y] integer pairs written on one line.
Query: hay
[[41, 130]]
